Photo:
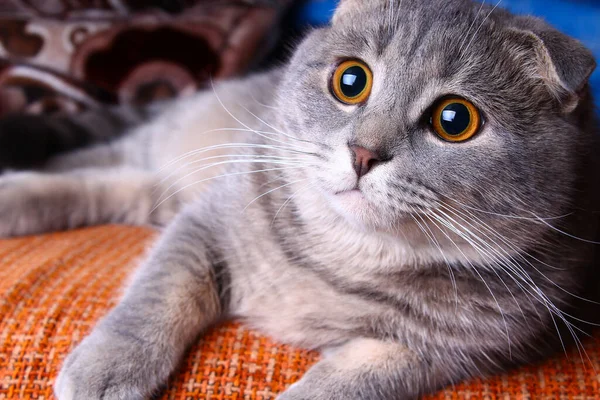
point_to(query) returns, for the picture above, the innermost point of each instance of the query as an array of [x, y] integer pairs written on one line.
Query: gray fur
[[463, 259]]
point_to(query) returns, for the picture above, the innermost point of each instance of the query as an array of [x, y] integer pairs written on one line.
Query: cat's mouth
[[353, 191], [351, 195]]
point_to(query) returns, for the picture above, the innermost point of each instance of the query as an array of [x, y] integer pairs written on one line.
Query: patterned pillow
[[65, 55]]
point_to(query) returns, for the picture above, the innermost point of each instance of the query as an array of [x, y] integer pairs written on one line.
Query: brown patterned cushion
[[68, 55]]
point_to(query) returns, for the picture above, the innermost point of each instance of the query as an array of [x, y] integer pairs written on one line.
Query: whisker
[[431, 237], [269, 182], [551, 308], [249, 160], [565, 233], [462, 205], [509, 260], [262, 104], [271, 191], [289, 200], [253, 156], [518, 251], [511, 245], [462, 43], [496, 263], [481, 25], [237, 119], [546, 301], [272, 127], [474, 269], [480, 250], [233, 145], [219, 176], [512, 262]]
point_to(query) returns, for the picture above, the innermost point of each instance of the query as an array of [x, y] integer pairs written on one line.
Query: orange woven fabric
[[54, 288]]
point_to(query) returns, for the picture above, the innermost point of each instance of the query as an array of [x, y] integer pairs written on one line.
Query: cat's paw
[[109, 368], [301, 391], [16, 217], [322, 389], [336, 389]]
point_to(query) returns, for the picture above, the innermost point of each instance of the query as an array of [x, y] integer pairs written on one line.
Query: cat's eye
[[455, 119], [351, 82]]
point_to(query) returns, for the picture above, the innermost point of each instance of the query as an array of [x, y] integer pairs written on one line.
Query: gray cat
[[413, 194]]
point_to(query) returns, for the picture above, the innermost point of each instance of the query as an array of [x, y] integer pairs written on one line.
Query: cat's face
[[518, 158]]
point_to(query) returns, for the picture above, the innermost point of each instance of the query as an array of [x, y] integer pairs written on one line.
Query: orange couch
[[54, 288]]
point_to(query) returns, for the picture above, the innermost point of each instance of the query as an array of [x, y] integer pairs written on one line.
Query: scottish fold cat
[[413, 194]]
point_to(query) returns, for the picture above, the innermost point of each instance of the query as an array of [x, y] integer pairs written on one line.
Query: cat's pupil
[[455, 118], [353, 81]]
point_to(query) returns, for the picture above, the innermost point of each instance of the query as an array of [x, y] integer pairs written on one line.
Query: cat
[[413, 193]]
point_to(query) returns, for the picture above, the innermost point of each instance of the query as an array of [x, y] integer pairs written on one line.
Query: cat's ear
[[346, 8], [562, 62]]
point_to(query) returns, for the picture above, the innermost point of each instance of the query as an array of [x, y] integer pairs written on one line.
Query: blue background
[[578, 18]]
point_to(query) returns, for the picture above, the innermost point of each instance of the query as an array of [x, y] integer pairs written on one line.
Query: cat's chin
[[360, 212], [354, 206]]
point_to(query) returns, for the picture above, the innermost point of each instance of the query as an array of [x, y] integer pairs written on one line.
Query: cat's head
[[446, 105]]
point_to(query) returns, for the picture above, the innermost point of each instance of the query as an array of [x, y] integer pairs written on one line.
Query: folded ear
[[350, 10], [346, 8], [561, 61]]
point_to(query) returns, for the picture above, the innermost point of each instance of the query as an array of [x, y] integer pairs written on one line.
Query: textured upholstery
[[54, 288]]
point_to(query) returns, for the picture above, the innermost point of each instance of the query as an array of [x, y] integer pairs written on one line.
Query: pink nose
[[364, 160]]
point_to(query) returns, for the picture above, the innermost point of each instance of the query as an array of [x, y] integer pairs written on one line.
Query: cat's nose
[[365, 160]]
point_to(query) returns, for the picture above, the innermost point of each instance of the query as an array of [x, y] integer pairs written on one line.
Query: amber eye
[[455, 119], [352, 82]]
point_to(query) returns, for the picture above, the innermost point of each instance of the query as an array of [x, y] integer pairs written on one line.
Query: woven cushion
[[54, 288]]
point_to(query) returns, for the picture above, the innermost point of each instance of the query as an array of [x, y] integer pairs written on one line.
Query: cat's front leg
[[367, 369], [174, 296]]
